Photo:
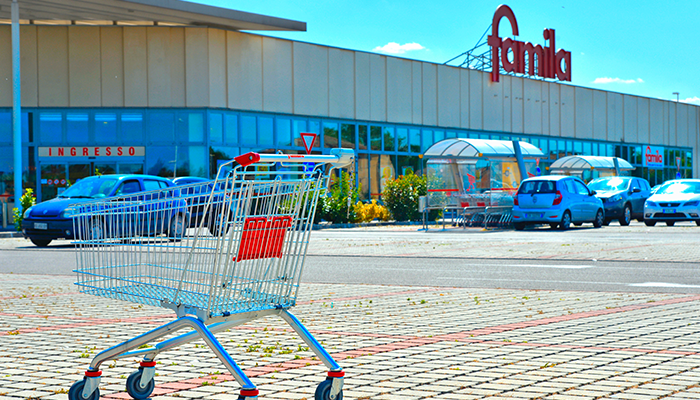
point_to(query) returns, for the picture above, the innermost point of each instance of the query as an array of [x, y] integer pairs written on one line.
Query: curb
[[10, 234], [321, 226]]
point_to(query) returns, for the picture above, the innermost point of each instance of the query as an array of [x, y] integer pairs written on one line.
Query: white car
[[676, 200]]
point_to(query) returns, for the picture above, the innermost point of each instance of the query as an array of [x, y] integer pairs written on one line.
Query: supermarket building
[[172, 88]]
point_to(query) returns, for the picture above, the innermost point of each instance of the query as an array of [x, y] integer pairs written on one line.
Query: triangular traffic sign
[[309, 140]]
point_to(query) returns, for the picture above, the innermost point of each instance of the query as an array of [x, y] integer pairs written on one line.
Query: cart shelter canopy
[[581, 163], [477, 148]]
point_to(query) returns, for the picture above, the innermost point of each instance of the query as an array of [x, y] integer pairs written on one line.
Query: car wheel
[[670, 223], [519, 226], [599, 219], [649, 223], [626, 216], [565, 221], [215, 225], [40, 242], [176, 228], [697, 223]]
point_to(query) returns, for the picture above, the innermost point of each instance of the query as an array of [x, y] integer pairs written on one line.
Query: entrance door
[[57, 177]]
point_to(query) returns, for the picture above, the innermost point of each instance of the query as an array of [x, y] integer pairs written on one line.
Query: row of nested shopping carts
[[219, 254]]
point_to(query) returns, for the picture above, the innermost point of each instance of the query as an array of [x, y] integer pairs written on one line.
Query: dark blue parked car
[[198, 192], [623, 197], [52, 219]]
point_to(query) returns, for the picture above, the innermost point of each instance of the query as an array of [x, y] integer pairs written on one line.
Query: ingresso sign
[[92, 151], [542, 61]]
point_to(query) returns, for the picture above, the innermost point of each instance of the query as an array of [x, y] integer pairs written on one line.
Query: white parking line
[[562, 266], [663, 284]]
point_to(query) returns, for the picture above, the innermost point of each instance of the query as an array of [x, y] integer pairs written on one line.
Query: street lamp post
[[677, 96]]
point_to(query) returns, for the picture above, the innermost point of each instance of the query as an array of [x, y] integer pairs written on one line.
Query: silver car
[[676, 200], [558, 201]]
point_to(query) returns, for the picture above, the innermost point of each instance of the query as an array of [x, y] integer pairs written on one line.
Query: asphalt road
[[615, 259]]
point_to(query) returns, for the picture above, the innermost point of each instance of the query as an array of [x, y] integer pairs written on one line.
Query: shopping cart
[[219, 253]]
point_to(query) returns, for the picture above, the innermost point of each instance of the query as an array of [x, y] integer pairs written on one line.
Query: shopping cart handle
[[338, 158]]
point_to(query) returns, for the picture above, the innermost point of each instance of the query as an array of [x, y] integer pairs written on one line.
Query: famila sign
[[541, 61]]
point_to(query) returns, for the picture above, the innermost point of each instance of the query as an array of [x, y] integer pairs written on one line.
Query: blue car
[[52, 219], [623, 197], [558, 201], [209, 203]]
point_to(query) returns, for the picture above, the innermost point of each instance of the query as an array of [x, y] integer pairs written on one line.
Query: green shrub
[[27, 200], [334, 207], [401, 195]]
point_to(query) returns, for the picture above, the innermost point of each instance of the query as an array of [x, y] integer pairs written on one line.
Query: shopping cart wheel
[[133, 386], [76, 392], [323, 391]]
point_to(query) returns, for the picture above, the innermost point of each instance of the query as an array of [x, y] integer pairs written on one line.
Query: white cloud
[[692, 100], [617, 80], [395, 48]]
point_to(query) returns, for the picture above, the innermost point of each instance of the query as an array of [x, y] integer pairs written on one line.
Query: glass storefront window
[[266, 135], [220, 155], [190, 127], [216, 128], [402, 139], [578, 148], [330, 135], [408, 165], [587, 149], [362, 137], [160, 160], [415, 141], [283, 127], [347, 136], [389, 142], [51, 127], [6, 126], [191, 161], [161, 127], [132, 128], [129, 168], [249, 130], [451, 134], [427, 140], [375, 137], [363, 171], [105, 127], [77, 127], [231, 129], [438, 136], [298, 127]]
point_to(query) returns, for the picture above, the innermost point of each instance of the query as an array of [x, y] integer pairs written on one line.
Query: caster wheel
[[323, 391], [134, 388], [76, 392]]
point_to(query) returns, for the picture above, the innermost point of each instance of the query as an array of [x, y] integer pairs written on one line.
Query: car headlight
[[27, 212], [691, 203], [67, 213], [615, 198], [650, 204]]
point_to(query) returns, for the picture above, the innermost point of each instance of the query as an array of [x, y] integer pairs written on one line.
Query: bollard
[[4, 215]]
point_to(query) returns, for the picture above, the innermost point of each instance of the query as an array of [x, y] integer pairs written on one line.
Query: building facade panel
[[377, 87], [464, 98], [554, 110], [135, 67], [52, 48], [682, 138], [584, 113], [197, 67], [476, 99], [448, 96], [6, 66], [615, 117], [630, 118], [398, 90], [520, 97], [532, 109], [657, 115], [245, 71], [362, 83], [310, 79], [217, 68], [341, 83], [492, 105], [159, 94], [29, 66], [83, 66], [506, 103], [277, 75], [417, 92], [112, 66], [177, 68], [643, 116], [545, 108], [567, 110], [429, 89], [600, 114]]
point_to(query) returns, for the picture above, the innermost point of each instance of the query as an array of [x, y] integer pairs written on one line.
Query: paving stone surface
[[393, 343]]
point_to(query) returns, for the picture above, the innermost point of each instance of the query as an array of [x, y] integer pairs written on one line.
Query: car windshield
[[90, 188], [679, 187], [532, 187], [611, 184]]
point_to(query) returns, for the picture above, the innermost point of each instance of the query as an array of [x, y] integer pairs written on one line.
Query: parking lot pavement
[[393, 342]]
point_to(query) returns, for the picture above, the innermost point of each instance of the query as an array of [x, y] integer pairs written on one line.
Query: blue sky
[[645, 48]]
